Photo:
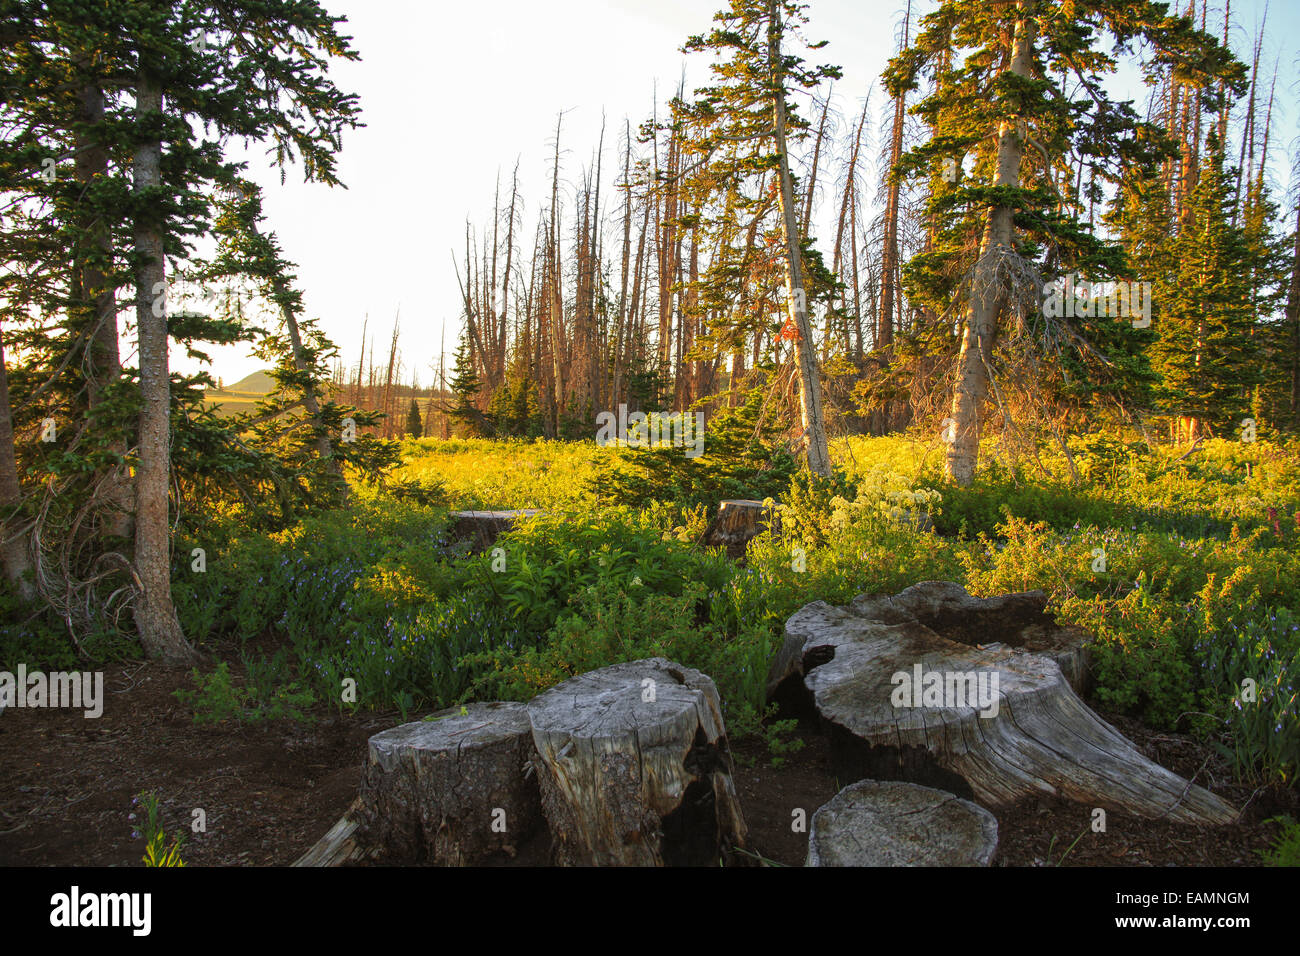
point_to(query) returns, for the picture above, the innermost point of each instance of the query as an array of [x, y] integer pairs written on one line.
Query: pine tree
[[740, 130], [414, 427], [159, 85], [1208, 349], [465, 386], [1000, 95]]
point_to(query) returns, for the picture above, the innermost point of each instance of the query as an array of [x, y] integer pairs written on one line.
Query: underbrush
[[1185, 570]]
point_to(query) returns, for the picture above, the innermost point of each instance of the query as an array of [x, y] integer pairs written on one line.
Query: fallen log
[[338, 847], [995, 722], [452, 790], [635, 768], [887, 823]]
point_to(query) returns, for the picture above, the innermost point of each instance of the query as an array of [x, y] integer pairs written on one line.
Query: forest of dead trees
[[632, 284]]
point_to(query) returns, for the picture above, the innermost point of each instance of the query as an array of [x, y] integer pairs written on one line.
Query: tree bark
[[452, 791], [635, 769], [155, 615]]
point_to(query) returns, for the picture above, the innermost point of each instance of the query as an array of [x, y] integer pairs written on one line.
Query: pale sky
[[453, 93]]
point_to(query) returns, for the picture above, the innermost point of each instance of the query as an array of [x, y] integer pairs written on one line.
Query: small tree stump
[[451, 791], [737, 521], [635, 769], [484, 527], [1033, 735], [886, 823]]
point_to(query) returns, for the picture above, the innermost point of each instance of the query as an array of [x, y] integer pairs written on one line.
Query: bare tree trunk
[[988, 295], [889, 252], [806, 218], [155, 615], [103, 366], [810, 393]]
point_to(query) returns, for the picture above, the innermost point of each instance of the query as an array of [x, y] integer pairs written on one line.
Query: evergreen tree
[[1208, 348], [1020, 88], [465, 386], [739, 131], [159, 86], [414, 427]]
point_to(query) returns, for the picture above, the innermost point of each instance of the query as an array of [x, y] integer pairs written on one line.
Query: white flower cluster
[[901, 505]]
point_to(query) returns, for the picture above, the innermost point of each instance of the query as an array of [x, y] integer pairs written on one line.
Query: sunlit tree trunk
[[810, 393], [988, 293], [155, 615]]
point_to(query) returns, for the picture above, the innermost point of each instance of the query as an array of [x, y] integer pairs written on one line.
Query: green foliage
[[263, 697], [1285, 850], [1197, 592], [773, 733], [741, 459], [414, 424], [465, 385]]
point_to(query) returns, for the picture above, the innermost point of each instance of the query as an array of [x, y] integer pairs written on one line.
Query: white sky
[[452, 93]]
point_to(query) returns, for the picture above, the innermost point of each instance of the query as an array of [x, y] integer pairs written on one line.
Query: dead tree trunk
[[453, 790], [887, 823]]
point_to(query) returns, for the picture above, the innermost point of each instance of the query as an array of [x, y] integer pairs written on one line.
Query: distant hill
[[258, 383], [242, 396]]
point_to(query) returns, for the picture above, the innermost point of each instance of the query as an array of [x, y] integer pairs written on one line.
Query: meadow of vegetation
[[1185, 570]]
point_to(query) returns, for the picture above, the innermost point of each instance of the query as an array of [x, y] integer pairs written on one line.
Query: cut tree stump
[[635, 769], [887, 823], [1033, 735], [484, 527], [737, 521], [452, 791]]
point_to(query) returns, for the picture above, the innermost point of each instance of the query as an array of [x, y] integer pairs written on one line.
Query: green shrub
[[217, 698], [1285, 850]]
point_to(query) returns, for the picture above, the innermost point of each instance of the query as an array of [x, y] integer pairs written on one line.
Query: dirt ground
[[271, 790]]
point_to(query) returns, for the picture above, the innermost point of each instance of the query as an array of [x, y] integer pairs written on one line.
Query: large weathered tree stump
[[484, 527], [635, 769], [450, 791], [887, 823], [997, 722], [736, 522]]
